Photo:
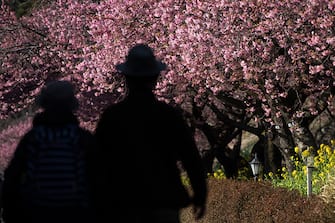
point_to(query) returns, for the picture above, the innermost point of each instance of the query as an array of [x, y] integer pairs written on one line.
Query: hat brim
[[129, 71]]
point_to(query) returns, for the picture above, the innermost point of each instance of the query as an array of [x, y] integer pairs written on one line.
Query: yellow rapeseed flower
[[284, 176], [294, 173], [305, 153], [328, 150], [330, 165], [296, 149], [321, 159], [322, 175], [321, 150], [332, 142]]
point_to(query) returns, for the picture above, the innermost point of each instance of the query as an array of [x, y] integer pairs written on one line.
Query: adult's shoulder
[[87, 139], [172, 110], [85, 132], [110, 114], [172, 107], [29, 136], [113, 108]]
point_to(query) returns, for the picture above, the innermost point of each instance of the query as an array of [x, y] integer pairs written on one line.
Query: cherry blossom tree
[[230, 63]]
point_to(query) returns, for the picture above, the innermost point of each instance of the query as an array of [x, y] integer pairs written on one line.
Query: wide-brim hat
[[58, 96], [141, 62]]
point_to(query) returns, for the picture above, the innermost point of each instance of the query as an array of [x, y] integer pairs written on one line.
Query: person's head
[[141, 68], [58, 96]]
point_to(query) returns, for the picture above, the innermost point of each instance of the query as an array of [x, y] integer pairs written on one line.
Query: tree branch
[[16, 49]]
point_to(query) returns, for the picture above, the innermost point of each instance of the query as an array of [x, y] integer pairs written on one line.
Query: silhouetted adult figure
[[46, 180], [141, 140]]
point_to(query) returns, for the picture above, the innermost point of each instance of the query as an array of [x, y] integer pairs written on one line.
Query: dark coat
[[14, 210], [140, 141]]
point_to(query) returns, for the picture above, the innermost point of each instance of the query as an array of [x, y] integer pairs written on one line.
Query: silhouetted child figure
[[140, 141], [46, 180]]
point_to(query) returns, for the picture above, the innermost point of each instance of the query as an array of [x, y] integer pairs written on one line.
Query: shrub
[[248, 201]]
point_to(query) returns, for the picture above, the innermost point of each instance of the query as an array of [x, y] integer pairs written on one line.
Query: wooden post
[[309, 181], [309, 175]]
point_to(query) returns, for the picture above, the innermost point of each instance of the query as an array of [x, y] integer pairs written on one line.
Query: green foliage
[[323, 170], [219, 174]]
